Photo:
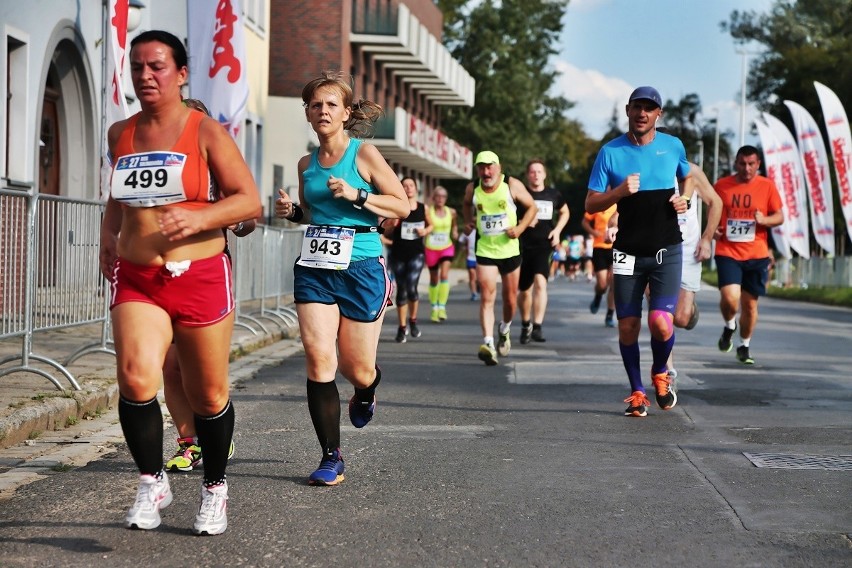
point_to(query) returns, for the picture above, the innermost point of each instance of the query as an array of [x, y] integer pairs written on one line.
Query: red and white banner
[[438, 148], [792, 187], [115, 105], [772, 163], [217, 56], [840, 144], [817, 178]]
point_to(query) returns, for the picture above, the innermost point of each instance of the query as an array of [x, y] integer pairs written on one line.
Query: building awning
[[399, 42], [407, 140]]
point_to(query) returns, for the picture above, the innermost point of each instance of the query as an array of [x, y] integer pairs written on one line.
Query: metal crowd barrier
[[817, 272], [265, 288], [50, 278]]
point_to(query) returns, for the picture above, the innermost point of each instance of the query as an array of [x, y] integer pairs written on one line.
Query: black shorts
[[602, 259], [534, 261], [504, 265], [752, 274]]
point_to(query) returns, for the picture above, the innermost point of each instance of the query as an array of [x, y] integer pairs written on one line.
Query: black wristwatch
[[362, 199]]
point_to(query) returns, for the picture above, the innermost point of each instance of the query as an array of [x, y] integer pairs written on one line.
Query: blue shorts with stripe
[[361, 291], [660, 275]]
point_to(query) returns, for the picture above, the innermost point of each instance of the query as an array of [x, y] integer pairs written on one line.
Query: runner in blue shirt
[[637, 172]]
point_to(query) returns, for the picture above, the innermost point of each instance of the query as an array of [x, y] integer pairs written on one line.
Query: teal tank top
[[326, 210]]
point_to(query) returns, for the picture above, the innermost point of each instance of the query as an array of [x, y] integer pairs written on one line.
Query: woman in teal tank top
[[341, 283]]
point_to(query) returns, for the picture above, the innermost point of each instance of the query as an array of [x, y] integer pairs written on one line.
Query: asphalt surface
[[528, 463]]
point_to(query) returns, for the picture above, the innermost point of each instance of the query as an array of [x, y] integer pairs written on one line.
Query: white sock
[[745, 342], [488, 340], [731, 323], [504, 327]]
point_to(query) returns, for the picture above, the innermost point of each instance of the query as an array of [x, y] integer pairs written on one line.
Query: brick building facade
[[393, 51]]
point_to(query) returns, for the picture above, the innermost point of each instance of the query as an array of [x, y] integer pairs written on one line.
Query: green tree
[[805, 41], [506, 46], [685, 120]]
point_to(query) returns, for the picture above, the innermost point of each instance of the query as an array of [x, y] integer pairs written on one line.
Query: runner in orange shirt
[[751, 204], [595, 224]]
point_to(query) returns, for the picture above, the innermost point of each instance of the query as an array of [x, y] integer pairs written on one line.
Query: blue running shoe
[[330, 470], [360, 413]]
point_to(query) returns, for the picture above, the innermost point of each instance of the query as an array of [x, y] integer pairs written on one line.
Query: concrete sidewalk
[[30, 404]]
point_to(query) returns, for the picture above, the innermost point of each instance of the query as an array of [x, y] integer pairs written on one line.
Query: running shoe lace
[[662, 382], [637, 399], [210, 504], [146, 497]]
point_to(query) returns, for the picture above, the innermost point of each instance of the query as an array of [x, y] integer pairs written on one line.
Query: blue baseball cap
[[648, 93]]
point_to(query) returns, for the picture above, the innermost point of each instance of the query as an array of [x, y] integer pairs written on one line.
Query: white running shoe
[[153, 494], [212, 516]]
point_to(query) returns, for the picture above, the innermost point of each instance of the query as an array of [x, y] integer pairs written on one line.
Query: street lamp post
[[716, 149], [745, 55], [743, 96]]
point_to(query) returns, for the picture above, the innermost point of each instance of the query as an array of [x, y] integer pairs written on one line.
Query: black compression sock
[[324, 408], [142, 424], [214, 436], [367, 394]]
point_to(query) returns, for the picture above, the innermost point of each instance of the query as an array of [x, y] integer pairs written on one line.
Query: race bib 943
[[327, 247]]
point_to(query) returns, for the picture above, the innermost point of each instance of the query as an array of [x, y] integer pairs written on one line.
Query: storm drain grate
[[799, 461]]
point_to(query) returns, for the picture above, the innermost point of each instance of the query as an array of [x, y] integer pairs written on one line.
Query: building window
[[254, 147], [255, 15], [16, 109]]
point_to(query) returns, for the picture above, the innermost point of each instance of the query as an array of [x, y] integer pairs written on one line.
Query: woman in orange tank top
[[161, 248]]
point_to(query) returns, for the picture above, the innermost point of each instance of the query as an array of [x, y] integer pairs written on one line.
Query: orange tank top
[[198, 182]]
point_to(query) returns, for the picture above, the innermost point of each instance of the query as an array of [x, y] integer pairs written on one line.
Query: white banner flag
[[772, 162], [817, 178], [115, 105], [792, 187], [217, 55], [840, 143]]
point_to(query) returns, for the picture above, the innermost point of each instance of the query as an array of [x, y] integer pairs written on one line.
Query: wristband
[[297, 215], [361, 200]]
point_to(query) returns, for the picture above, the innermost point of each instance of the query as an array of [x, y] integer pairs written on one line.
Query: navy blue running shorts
[[752, 274], [360, 291], [660, 274]]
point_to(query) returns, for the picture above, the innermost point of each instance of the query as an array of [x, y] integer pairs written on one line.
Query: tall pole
[[743, 96], [716, 150]]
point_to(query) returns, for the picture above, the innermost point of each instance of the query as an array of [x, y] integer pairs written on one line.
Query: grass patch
[[828, 296], [70, 421], [92, 414], [62, 467], [46, 395]]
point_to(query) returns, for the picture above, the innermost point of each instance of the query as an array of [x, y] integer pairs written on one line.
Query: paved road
[[529, 463]]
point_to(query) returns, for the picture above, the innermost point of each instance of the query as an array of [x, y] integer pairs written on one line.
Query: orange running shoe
[[666, 396], [638, 404]]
